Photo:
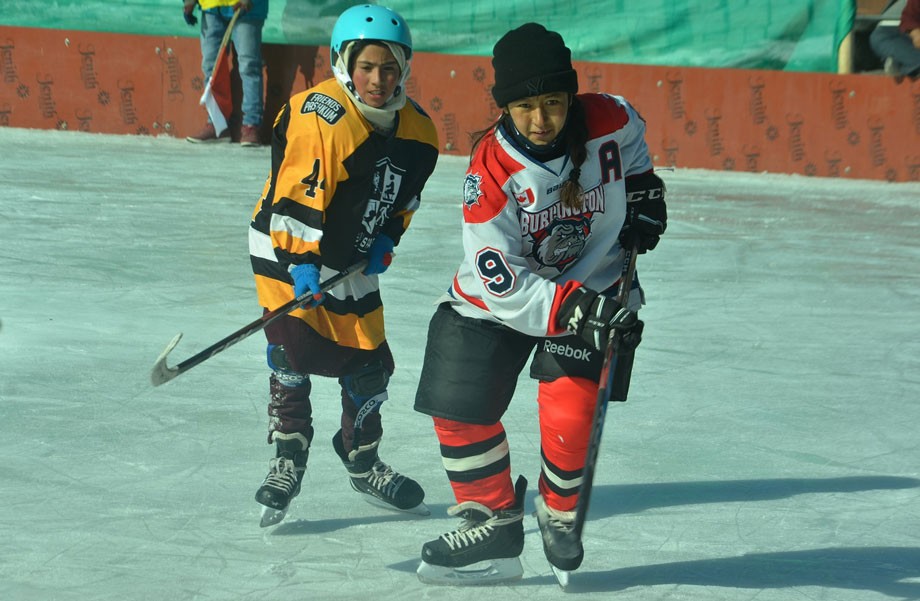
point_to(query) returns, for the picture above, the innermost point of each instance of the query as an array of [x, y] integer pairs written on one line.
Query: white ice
[[769, 449]]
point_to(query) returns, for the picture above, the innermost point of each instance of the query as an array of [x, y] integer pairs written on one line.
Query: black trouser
[[307, 353]]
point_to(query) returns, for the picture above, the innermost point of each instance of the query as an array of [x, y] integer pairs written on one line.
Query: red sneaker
[[249, 136], [209, 135]]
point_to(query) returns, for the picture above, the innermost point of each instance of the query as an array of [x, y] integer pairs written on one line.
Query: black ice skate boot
[[382, 485], [561, 544], [485, 549], [285, 473]]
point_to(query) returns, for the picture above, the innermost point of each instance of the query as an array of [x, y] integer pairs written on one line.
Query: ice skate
[[379, 483], [561, 544], [484, 550], [285, 474]]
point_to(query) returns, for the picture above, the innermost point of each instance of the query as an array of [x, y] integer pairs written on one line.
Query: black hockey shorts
[[305, 351], [572, 357], [471, 367]]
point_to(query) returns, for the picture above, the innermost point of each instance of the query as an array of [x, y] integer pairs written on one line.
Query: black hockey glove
[[591, 316], [646, 212], [189, 12]]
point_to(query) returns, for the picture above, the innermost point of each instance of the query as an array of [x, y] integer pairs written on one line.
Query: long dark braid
[[576, 138], [477, 136]]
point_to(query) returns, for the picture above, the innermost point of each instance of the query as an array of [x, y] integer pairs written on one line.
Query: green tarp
[[792, 35]]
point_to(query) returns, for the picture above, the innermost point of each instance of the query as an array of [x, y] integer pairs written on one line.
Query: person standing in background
[[897, 44], [247, 43]]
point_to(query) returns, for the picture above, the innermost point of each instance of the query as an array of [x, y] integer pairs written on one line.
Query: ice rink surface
[[769, 450]]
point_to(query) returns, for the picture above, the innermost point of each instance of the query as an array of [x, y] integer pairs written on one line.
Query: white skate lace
[[384, 479], [469, 533], [282, 474]]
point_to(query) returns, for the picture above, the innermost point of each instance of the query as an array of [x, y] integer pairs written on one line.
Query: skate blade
[[562, 576], [420, 509], [484, 573], [270, 516]]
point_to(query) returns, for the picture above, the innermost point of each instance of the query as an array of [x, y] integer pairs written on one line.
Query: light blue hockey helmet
[[370, 22]]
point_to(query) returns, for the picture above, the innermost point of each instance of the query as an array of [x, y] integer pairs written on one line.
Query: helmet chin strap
[[382, 118]]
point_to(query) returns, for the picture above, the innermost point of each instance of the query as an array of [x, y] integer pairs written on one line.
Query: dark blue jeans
[[887, 40], [247, 43]]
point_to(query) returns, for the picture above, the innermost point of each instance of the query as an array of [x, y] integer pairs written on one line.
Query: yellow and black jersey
[[335, 184]]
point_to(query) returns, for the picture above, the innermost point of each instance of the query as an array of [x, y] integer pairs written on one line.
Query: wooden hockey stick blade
[[161, 373]]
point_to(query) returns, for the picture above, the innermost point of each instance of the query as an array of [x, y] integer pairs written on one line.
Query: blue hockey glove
[[306, 281], [379, 255]]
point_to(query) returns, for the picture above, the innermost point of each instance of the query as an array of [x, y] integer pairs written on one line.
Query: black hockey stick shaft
[[604, 391], [161, 373]]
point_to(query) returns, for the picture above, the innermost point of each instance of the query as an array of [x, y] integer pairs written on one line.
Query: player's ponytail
[[576, 131]]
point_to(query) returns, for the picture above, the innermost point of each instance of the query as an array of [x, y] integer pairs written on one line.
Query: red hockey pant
[[477, 456]]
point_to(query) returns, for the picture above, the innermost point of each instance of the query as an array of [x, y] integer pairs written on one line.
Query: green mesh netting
[[793, 35]]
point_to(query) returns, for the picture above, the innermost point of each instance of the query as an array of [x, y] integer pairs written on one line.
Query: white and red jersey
[[523, 249]]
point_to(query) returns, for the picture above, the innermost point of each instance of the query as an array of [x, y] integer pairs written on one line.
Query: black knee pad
[[365, 383], [281, 367], [277, 358]]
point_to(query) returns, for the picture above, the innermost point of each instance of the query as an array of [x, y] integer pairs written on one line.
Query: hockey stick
[[226, 39], [603, 397], [162, 373]]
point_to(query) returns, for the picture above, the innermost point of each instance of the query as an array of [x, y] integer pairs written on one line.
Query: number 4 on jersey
[[312, 181]]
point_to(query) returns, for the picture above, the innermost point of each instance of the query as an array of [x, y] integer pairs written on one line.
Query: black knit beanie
[[530, 61]]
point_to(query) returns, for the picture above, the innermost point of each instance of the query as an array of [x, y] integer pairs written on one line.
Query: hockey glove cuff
[[379, 255], [592, 316], [306, 282], [631, 338], [646, 212]]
